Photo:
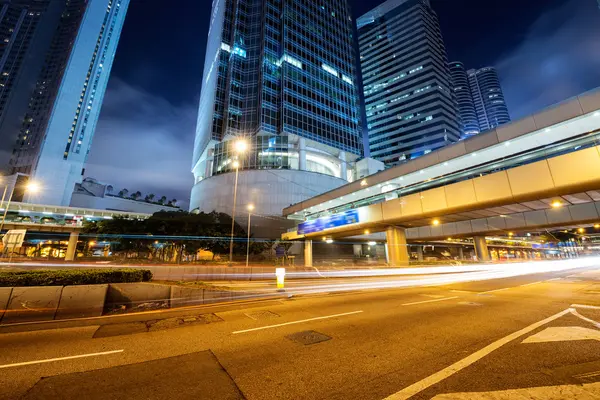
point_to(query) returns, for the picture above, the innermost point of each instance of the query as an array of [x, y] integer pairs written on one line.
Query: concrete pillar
[[343, 166], [302, 154], [72, 246], [481, 248], [461, 254], [357, 249], [396, 246], [420, 253], [308, 253]]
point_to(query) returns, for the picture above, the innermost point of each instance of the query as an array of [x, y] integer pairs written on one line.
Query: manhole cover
[[469, 303], [308, 337], [262, 314]]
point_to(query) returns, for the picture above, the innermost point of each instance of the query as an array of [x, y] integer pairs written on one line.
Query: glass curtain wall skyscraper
[[410, 107], [488, 98], [55, 64], [280, 75], [464, 99]]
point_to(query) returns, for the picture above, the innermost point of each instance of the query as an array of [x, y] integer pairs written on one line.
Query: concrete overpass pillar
[[481, 248], [396, 246], [420, 253], [461, 254], [72, 246], [308, 253]]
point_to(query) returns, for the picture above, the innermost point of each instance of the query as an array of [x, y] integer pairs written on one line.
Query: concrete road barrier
[[35, 303], [183, 296], [132, 294], [82, 301]]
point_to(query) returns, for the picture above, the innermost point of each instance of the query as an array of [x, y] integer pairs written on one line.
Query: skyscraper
[[55, 65], [488, 98], [410, 106], [278, 75], [464, 99]]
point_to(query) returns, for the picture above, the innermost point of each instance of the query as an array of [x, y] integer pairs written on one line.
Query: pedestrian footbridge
[[540, 171]]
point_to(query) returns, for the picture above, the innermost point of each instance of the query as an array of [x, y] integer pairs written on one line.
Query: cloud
[[558, 58], [144, 143]]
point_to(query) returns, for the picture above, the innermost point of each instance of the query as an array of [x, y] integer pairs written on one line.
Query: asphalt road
[[533, 336]]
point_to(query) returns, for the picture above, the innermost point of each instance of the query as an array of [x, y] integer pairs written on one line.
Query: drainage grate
[[308, 337], [261, 314]]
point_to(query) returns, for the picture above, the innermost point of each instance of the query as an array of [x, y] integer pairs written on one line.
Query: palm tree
[[162, 200], [136, 195], [173, 202], [123, 193], [150, 197]]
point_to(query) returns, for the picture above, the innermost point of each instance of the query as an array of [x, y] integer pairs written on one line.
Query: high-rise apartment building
[[464, 99], [409, 101], [488, 98], [280, 76], [55, 61]]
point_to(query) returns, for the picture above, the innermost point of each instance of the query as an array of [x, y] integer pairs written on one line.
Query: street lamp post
[[30, 187], [250, 208], [240, 147]]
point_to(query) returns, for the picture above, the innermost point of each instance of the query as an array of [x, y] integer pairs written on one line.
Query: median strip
[[104, 353], [296, 322]]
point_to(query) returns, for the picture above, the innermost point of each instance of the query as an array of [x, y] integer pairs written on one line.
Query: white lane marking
[[495, 290], [585, 306], [563, 334], [531, 284], [429, 301], [296, 322], [104, 353], [431, 380], [591, 321], [514, 287]]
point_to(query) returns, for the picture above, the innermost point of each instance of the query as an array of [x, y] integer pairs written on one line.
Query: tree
[[123, 193], [136, 195], [150, 197], [162, 200], [173, 202]]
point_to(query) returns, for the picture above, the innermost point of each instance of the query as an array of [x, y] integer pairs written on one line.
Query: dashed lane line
[[296, 322], [104, 353], [429, 301]]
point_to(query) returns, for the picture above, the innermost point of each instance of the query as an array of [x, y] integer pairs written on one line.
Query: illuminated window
[[329, 69]]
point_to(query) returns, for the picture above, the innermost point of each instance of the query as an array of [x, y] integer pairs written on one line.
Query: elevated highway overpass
[[538, 172]]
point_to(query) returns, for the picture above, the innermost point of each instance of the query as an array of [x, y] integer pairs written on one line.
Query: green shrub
[[62, 277]]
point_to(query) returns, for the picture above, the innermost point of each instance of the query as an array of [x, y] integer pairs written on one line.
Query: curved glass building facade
[[464, 99], [280, 75], [488, 98]]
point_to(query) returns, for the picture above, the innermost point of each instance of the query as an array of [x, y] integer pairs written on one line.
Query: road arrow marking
[[563, 334]]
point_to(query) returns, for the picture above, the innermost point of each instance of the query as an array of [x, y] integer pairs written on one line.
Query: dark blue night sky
[[545, 51]]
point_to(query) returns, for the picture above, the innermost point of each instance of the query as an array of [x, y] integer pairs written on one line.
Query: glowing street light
[[436, 222], [597, 226], [240, 146], [250, 208], [31, 187], [556, 204]]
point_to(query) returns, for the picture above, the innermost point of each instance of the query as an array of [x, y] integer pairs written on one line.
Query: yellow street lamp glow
[[250, 207], [436, 222], [363, 182], [367, 232], [92, 243], [597, 226], [240, 146], [580, 230], [556, 204], [511, 234], [236, 164], [32, 187]]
